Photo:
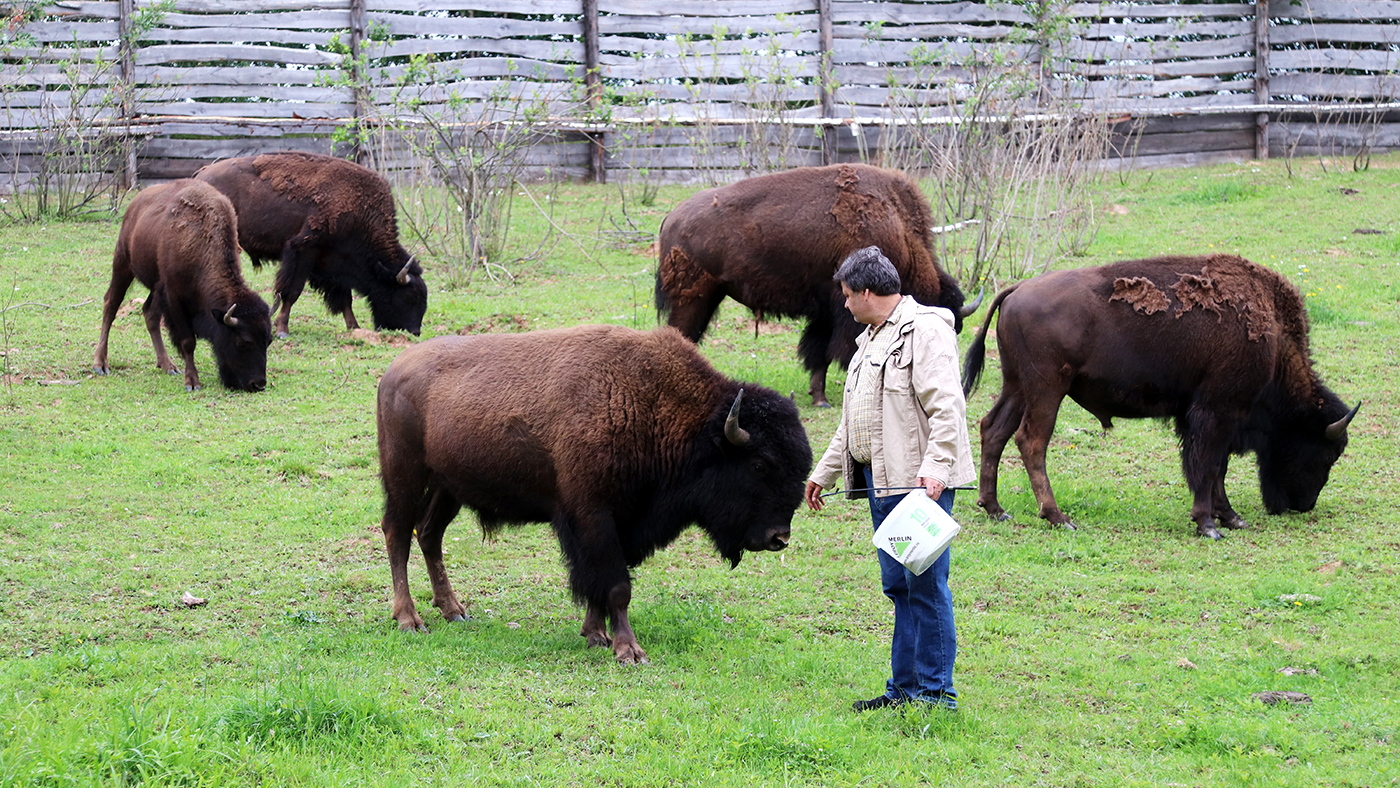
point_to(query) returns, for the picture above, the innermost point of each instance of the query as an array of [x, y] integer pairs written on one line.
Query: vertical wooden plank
[[593, 81], [824, 75], [1261, 77], [358, 32], [127, 86]]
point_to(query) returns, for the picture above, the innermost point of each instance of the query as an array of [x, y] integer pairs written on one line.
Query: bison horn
[[402, 277], [1337, 430], [229, 319], [967, 309], [732, 431]]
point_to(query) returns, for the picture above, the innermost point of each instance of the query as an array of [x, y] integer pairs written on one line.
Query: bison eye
[[760, 468]]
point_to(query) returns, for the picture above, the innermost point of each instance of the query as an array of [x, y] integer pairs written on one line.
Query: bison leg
[[595, 626], [152, 314], [1225, 514], [997, 428], [116, 291], [405, 480], [1205, 442], [599, 576], [290, 281], [691, 313], [1033, 439], [338, 301], [441, 509]]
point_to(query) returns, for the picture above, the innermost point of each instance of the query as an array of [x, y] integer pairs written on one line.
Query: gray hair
[[868, 269]]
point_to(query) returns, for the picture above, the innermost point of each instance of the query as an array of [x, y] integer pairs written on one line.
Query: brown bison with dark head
[[1217, 344], [181, 240], [773, 242], [618, 438], [332, 225]]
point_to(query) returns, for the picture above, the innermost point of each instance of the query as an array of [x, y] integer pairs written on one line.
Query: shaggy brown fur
[[617, 437], [1217, 344], [180, 240], [773, 242], [332, 224]]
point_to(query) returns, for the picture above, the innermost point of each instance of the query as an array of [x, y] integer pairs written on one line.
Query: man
[[903, 425]]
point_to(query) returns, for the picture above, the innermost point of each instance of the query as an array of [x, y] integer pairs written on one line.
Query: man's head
[[870, 283]]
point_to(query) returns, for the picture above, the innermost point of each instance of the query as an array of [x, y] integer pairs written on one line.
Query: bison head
[[751, 466], [400, 299], [239, 336], [1297, 455]]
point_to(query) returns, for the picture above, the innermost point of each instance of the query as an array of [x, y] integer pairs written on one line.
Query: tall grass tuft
[[296, 712]]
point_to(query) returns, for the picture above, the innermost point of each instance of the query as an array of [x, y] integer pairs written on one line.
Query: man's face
[[860, 305]]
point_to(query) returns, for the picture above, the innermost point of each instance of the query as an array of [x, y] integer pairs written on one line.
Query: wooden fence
[[677, 89]]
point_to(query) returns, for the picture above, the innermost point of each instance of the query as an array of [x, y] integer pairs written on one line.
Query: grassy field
[[1125, 653]]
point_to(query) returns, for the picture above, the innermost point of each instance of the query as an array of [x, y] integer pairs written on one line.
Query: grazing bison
[[1217, 344], [618, 438], [773, 242], [331, 222], [181, 240]]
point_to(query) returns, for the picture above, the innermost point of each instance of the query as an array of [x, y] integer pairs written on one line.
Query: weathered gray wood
[[246, 35], [551, 7], [1159, 50], [1336, 10], [620, 49], [165, 78], [299, 20], [1261, 77], [1161, 10], [1150, 30], [557, 51], [178, 53], [911, 13], [704, 8], [1284, 86], [475, 27], [1310, 33], [699, 27], [1383, 62]]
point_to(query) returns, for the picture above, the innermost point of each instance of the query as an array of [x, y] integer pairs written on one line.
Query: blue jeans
[[924, 644]]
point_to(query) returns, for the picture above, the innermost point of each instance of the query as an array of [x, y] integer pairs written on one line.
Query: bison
[[181, 240], [773, 242], [1217, 344], [618, 438], [331, 222]]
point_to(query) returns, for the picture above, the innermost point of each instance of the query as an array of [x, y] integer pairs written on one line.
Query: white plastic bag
[[916, 532]]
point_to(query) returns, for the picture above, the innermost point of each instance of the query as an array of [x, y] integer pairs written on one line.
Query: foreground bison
[[773, 242], [332, 225], [181, 240], [618, 438], [1217, 344]]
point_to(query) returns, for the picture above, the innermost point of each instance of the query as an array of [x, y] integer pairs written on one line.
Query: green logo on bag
[[899, 544]]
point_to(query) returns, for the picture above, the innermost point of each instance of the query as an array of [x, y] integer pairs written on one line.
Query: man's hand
[[813, 495], [933, 487]]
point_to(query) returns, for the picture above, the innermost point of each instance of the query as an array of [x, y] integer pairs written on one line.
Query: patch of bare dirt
[[496, 324]]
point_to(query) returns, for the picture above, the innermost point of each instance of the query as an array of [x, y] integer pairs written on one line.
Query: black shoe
[[881, 702]]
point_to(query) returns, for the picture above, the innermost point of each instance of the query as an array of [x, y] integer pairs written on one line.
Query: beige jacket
[[922, 429]]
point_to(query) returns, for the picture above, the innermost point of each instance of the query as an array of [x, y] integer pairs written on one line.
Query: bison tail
[[663, 301], [977, 351]]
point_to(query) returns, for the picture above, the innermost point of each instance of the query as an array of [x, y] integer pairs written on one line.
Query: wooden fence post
[[593, 83], [1261, 77], [358, 33], [824, 70], [127, 88]]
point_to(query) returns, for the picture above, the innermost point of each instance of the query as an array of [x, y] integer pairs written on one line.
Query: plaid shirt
[[860, 388]]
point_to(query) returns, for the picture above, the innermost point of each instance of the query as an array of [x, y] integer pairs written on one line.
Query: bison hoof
[[1069, 525], [631, 656], [820, 404], [598, 640], [457, 618], [283, 335], [1208, 530], [99, 370], [1234, 523], [191, 388]]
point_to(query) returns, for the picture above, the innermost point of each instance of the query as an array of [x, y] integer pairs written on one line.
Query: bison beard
[[1217, 344], [618, 438], [773, 242]]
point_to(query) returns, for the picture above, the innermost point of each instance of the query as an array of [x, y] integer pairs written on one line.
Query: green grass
[[1125, 653]]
